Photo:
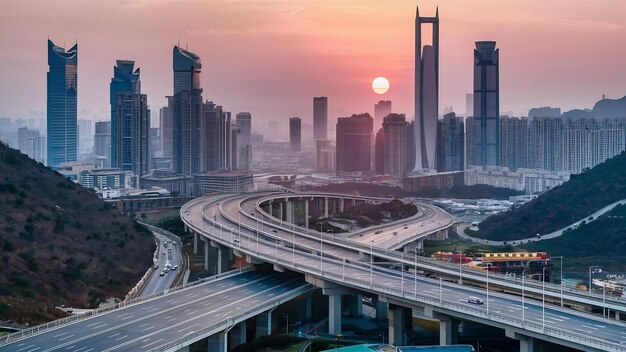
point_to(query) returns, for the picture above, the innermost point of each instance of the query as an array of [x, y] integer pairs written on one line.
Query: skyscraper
[[166, 125], [379, 152], [486, 104], [320, 118], [469, 105], [102, 142], [244, 148], [31, 143], [61, 104], [426, 93], [186, 109], [394, 126], [325, 155], [216, 138], [513, 142], [354, 143], [295, 133], [381, 110], [130, 120], [451, 153]]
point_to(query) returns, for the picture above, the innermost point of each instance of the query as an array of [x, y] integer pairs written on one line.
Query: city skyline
[[319, 53]]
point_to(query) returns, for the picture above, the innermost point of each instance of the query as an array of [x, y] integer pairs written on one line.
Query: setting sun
[[380, 85]]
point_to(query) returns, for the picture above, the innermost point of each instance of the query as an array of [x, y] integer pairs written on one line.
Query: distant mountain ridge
[[603, 109], [61, 244]]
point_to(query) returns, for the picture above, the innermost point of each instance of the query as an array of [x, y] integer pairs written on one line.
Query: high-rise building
[[102, 142], [354, 143], [244, 147], [410, 146], [451, 147], [381, 110], [486, 105], [379, 152], [130, 120], [31, 143], [589, 142], [61, 105], [513, 142], [155, 142], [320, 118], [216, 138], [544, 112], [469, 105], [545, 147], [84, 135], [426, 93], [235, 134], [186, 109], [325, 155], [394, 126], [295, 134], [166, 125]]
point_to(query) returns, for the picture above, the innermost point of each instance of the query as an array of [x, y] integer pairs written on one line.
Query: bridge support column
[[617, 315], [184, 349], [381, 309], [264, 324], [305, 308], [280, 211], [217, 342], [223, 259], [334, 313], [206, 254], [237, 335], [195, 243], [355, 305], [289, 209], [448, 331], [399, 317], [341, 205], [526, 343], [306, 214], [325, 207]]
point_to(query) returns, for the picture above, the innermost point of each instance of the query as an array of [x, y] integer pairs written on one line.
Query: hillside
[[61, 244], [576, 199], [601, 242]]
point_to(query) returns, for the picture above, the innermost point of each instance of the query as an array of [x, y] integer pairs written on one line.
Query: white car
[[475, 300]]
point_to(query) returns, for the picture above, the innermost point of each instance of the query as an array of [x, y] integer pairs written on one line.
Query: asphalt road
[[301, 259], [158, 283], [155, 322]]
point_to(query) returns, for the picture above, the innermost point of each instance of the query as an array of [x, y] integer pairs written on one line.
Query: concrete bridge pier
[[223, 259], [306, 213], [280, 211], [237, 335], [354, 304], [381, 309], [206, 254], [334, 312], [195, 243], [305, 308], [264, 324], [448, 330], [289, 211], [218, 342], [325, 207], [400, 318], [526, 343]]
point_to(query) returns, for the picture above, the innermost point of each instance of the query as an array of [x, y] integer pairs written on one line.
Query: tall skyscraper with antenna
[[426, 94]]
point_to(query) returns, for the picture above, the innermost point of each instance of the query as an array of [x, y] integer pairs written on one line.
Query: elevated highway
[[168, 321], [342, 266]]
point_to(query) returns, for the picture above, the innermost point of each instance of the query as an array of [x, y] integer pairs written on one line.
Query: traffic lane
[[199, 313], [61, 334]]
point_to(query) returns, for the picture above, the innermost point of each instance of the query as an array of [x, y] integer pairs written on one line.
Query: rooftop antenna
[[603, 96]]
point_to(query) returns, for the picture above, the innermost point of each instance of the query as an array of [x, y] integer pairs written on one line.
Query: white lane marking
[[187, 328], [151, 343], [128, 317], [123, 337], [82, 348], [121, 315], [589, 327], [34, 349], [96, 323], [149, 328], [600, 326], [144, 340], [66, 337], [142, 325], [91, 349], [585, 331], [171, 319], [29, 346], [153, 309], [114, 335], [61, 334]]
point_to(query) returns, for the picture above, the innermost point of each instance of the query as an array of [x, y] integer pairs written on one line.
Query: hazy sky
[[270, 57]]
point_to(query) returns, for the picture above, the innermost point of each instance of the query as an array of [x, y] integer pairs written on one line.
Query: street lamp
[[543, 298], [561, 279], [287, 325], [488, 288], [591, 276], [372, 263], [523, 277]]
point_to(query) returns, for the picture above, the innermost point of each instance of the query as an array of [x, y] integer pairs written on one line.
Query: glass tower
[[61, 104]]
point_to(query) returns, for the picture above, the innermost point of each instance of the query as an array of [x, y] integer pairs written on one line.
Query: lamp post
[[543, 298], [372, 263], [402, 274], [523, 277], [321, 254], [487, 302], [561, 278], [287, 324], [415, 276], [591, 277]]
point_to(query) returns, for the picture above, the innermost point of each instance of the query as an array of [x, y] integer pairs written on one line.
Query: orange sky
[[270, 57]]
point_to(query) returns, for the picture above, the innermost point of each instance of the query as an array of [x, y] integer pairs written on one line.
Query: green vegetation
[[601, 242], [576, 199], [61, 244]]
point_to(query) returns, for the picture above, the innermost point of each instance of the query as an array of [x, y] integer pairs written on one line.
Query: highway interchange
[[158, 283], [248, 231]]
